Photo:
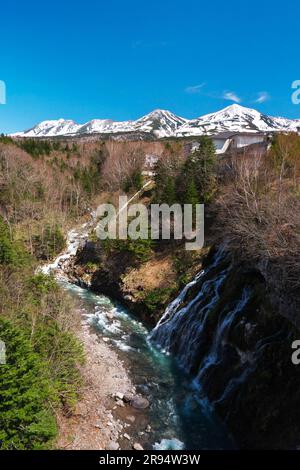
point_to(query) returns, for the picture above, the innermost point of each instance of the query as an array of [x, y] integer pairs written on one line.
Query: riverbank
[[95, 422]]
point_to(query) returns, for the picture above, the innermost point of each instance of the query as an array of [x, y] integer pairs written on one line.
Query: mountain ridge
[[163, 123]]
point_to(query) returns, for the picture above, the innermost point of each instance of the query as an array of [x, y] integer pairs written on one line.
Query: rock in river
[[137, 446], [139, 403], [112, 446]]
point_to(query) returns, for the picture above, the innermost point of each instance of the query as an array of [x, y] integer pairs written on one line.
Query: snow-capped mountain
[[161, 123], [51, 128], [236, 118]]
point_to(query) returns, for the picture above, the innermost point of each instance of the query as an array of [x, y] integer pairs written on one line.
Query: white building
[[227, 141]]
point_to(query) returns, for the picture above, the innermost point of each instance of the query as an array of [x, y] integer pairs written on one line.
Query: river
[[179, 417]]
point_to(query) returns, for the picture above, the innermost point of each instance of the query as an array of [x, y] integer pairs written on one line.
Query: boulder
[[112, 446], [130, 418], [120, 403], [119, 396], [127, 398], [139, 403], [137, 446]]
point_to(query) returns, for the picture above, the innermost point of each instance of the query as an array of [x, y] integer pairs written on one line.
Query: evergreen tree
[[170, 193], [7, 251], [199, 170], [11, 252], [160, 179], [165, 183], [191, 193], [137, 180], [205, 161], [26, 422]]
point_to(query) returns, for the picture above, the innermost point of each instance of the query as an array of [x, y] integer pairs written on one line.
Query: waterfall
[[180, 329], [197, 328]]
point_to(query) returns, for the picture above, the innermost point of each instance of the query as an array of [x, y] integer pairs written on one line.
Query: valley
[[149, 234], [201, 338]]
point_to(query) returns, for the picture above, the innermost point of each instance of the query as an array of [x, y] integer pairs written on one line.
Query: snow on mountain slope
[[51, 128], [162, 123], [235, 118], [159, 122]]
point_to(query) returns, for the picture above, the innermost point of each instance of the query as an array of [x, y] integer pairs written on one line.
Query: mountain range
[[161, 123]]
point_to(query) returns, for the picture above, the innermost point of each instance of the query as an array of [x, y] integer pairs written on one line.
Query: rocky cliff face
[[121, 276], [237, 348]]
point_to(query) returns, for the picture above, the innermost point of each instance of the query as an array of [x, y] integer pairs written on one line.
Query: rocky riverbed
[[109, 414]]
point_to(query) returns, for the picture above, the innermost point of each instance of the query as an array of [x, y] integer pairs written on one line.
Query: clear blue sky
[[119, 60]]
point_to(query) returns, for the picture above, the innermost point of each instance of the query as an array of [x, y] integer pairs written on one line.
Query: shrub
[[140, 249], [157, 299]]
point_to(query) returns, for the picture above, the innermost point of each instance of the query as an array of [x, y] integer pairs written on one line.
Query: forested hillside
[[41, 195], [251, 204]]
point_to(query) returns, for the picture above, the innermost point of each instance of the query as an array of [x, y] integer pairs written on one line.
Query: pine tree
[[191, 193], [12, 252], [160, 181], [7, 252], [26, 421], [204, 159], [170, 193], [199, 170]]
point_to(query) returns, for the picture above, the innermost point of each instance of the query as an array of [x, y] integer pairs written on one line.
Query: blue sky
[[120, 60]]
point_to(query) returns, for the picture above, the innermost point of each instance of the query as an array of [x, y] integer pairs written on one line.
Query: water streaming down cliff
[[225, 334], [182, 326]]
